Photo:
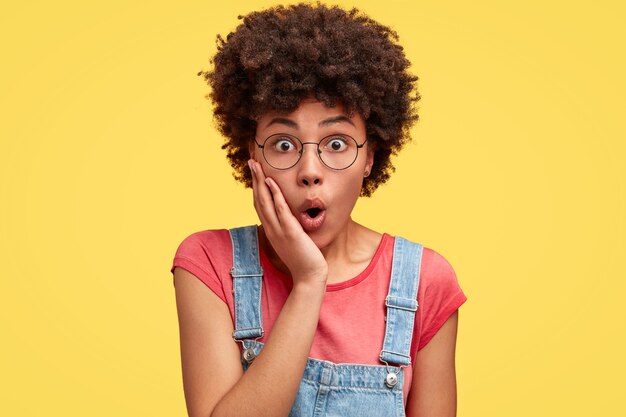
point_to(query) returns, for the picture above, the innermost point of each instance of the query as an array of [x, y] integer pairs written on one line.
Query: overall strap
[[247, 275], [401, 301]]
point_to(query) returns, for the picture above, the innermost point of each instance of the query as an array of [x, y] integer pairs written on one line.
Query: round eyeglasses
[[283, 151]]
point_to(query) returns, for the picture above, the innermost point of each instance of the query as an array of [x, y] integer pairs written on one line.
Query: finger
[[254, 188], [255, 194], [263, 199], [285, 216]]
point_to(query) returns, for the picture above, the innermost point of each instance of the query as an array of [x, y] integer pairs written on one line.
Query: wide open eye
[[336, 144], [282, 144]]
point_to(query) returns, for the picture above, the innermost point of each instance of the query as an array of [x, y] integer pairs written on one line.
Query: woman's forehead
[[309, 112]]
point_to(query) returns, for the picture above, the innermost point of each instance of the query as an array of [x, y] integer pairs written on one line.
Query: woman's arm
[[216, 385], [213, 379], [433, 390], [206, 350]]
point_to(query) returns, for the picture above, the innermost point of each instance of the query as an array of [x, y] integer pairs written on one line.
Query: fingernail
[[268, 182], [250, 165]]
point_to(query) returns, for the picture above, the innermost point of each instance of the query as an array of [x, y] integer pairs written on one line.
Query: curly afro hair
[[281, 55]]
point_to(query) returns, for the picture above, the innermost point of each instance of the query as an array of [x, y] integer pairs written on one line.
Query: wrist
[[310, 285]]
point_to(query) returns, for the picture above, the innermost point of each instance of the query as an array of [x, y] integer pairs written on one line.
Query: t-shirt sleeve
[[441, 296], [193, 255]]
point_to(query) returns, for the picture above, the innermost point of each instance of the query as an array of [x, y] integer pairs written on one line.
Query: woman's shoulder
[[436, 264], [436, 272], [203, 242], [204, 238], [433, 265], [437, 275], [204, 252], [439, 294], [207, 255]]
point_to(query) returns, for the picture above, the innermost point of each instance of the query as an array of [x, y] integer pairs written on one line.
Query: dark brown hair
[[281, 55]]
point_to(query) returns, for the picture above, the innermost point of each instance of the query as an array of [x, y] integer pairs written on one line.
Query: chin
[[320, 238]]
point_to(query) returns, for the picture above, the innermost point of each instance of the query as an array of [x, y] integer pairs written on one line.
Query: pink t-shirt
[[351, 325]]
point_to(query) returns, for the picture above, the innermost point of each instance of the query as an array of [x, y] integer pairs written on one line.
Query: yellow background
[[516, 175]]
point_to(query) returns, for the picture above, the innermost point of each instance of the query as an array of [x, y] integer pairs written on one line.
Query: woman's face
[[310, 183]]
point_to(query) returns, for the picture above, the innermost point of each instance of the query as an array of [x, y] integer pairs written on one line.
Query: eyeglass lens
[[284, 151]]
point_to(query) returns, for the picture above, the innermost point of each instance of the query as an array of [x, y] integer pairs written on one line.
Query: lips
[[312, 214], [312, 203]]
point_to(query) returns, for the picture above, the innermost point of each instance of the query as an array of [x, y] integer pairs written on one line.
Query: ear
[[369, 161]]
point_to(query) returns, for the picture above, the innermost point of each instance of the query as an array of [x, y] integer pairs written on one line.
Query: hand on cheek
[[294, 247]]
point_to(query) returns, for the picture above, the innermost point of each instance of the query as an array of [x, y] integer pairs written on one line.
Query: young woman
[[311, 313]]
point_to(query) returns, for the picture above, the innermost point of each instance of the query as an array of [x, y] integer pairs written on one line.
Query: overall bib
[[327, 388]]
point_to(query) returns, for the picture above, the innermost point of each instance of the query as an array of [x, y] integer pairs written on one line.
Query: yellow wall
[[516, 175]]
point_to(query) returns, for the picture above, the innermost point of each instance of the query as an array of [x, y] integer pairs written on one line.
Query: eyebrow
[[323, 123]]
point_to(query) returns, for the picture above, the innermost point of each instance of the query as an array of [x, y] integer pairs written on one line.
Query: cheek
[[351, 190], [356, 181], [285, 183]]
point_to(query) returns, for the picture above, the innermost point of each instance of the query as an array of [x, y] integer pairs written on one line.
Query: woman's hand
[[287, 237]]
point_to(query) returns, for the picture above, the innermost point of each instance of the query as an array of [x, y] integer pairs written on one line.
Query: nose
[[310, 166]]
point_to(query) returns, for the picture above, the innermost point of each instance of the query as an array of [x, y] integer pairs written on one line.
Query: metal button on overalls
[[391, 380], [248, 355]]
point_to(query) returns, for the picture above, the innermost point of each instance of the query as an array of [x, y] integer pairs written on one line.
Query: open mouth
[[313, 212]]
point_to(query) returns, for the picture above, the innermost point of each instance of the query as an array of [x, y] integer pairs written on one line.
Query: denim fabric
[[401, 301], [247, 274], [326, 388]]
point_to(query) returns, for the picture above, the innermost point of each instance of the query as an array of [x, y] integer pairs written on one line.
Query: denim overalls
[[327, 388]]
